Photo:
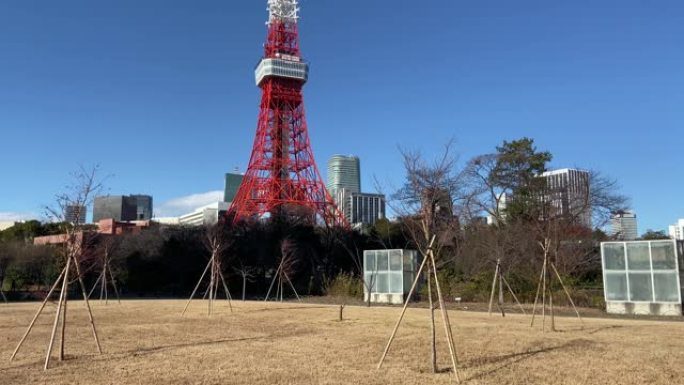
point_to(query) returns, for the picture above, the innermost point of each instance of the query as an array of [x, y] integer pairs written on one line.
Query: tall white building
[[624, 225], [567, 191], [344, 172], [677, 230]]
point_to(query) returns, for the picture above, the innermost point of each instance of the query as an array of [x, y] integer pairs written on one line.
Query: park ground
[[148, 342]]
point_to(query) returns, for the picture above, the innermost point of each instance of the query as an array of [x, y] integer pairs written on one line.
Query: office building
[[360, 208], [567, 195], [624, 226], [344, 172], [677, 230], [231, 186], [75, 214], [204, 216], [123, 208]]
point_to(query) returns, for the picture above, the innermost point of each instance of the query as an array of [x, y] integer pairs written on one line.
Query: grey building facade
[[123, 208], [231, 186], [75, 214], [624, 225], [360, 208]]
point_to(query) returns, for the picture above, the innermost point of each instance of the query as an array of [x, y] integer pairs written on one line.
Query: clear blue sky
[[161, 94]]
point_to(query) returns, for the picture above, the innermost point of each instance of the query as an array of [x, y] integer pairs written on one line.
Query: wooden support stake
[[87, 304], [491, 295], [544, 294], [116, 290], [501, 296], [536, 297], [292, 286], [40, 310], [97, 281], [433, 335], [225, 288], [196, 287], [567, 293], [445, 318], [64, 318], [275, 275], [403, 311], [513, 294], [58, 313]]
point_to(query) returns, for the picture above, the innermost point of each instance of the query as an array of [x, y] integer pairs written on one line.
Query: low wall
[[644, 308]]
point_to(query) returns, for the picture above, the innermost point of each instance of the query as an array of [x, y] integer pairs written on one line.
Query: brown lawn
[[147, 342]]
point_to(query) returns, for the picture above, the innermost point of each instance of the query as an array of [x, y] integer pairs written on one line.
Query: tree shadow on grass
[[144, 351], [512, 358], [285, 308]]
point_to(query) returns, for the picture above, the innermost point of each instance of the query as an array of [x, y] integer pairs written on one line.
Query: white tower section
[[285, 10]]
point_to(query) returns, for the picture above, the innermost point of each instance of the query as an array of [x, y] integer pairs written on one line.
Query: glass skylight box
[[389, 274], [642, 277]]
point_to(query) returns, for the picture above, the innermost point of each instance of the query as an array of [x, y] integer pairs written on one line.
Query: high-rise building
[[75, 214], [360, 208], [122, 208], [567, 193], [624, 225], [231, 186], [344, 172], [677, 230]]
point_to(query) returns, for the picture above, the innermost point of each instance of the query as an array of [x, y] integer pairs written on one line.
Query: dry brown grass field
[[147, 342]]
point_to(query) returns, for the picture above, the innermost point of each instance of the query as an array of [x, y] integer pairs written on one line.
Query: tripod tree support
[[542, 288], [500, 280], [429, 261], [212, 290], [61, 312]]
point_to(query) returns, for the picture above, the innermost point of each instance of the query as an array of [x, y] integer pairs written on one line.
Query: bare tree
[[247, 274], [429, 203], [76, 246]]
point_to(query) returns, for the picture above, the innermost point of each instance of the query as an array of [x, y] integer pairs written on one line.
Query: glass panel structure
[[640, 287], [389, 271], [614, 256], [616, 286], [665, 285], [638, 256], [663, 256], [641, 271]]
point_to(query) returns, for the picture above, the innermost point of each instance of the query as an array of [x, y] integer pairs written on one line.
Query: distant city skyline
[[598, 84]]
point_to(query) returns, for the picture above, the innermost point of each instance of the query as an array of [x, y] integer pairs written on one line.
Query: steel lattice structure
[[282, 178]]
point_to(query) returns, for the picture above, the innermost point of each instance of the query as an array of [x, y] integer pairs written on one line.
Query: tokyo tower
[[282, 179]]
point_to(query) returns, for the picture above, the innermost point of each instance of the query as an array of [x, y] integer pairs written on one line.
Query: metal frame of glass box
[[642, 277], [390, 273]]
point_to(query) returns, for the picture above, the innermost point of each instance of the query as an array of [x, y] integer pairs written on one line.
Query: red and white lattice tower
[[282, 179]]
